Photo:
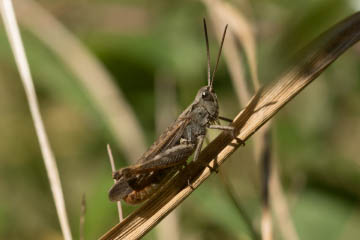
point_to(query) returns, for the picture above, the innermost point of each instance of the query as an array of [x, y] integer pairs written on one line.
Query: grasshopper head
[[206, 97]]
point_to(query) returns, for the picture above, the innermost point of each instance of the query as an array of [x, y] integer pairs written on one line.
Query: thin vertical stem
[[12, 30], [266, 219], [82, 218], [112, 163]]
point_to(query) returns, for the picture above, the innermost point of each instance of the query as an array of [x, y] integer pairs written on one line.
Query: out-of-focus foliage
[[317, 135]]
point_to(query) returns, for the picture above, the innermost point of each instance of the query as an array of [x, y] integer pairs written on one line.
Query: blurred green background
[[316, 136]]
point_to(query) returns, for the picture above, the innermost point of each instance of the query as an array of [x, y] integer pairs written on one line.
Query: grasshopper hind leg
[[171, 157]]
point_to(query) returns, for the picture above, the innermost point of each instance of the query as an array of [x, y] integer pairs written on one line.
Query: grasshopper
[[176, 144]]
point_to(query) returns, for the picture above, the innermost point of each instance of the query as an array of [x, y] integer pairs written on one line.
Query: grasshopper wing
[[119, 190], [170, 137], [167, 139]]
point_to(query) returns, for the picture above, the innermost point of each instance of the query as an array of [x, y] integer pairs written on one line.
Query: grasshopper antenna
[[218, 57], [207, 51]]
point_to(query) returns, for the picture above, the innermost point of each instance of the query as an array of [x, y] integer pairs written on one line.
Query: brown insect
[[176, 144]]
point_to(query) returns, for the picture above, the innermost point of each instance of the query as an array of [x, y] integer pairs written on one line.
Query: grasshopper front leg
[[226, 128], [174, 156], [230, 129]]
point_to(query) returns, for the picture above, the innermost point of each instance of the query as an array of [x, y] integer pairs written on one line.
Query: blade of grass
[[264, 105], [12, 30], [266, 220], [82, 218], [113, 169], [280, 206]]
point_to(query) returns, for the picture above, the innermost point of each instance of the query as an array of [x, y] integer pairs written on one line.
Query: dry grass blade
[[233, 62], [280, 206], [266, 224], [82, 218], [244, 33], [90, 72], [266, 220], [262, 107], [113, 169], [12, 30]]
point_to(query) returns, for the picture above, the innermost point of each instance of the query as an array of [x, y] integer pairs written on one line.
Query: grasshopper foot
[[240, 141], [233, 133], [213, 169], [190, 185]]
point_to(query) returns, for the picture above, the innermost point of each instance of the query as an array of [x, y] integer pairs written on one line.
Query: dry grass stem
[[276, 193], [266, 224], [82, 218], [90, 72], [12, 30], [266, 156], [263, 106], [113, 169], [280, 206]]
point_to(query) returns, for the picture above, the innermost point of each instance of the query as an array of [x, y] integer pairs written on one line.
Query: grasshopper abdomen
[[136, 197]]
